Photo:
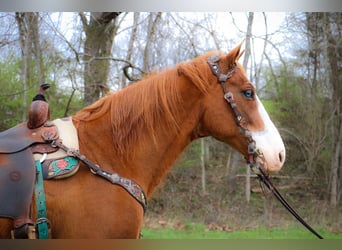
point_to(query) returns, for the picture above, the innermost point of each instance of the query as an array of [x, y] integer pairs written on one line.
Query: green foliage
[[300, 110], [58, 100], [191, 155], [12, 95], [274, 110]]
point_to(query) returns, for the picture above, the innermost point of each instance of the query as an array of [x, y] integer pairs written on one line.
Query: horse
[[138, 132]]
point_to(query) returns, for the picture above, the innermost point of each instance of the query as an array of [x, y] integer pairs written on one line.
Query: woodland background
[[296, 68]]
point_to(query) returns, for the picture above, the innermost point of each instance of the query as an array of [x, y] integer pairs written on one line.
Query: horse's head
[[219, 120]]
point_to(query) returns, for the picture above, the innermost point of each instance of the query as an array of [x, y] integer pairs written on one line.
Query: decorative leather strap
[[133, 188]]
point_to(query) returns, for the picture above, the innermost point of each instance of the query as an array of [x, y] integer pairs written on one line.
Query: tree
[[153, 20], [30, 47], [331, 30], [100, 30], [324, 35], [307, 99], [23, 66], [130, 49], [245, 63]]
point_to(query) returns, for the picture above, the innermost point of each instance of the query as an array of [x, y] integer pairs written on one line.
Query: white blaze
[[269, 142]]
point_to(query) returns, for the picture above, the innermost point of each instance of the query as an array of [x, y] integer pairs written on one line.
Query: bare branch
[[83, 20]]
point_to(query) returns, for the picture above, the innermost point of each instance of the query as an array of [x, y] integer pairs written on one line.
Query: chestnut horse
[[139, 131]]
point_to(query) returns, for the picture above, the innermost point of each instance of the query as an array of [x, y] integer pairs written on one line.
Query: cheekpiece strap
[[215, 68]]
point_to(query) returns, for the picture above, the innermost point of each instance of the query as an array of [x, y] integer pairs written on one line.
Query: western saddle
[[18, 173], [39, 150]]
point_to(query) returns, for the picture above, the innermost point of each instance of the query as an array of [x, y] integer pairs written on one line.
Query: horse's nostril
[[282, 156]]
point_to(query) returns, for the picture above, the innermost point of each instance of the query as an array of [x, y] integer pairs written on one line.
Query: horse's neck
[[154, 154], [155, 159]]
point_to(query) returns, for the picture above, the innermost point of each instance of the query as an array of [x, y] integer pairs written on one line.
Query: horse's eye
[[248, 93]]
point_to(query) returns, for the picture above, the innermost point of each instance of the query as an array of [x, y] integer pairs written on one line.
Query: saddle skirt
[[58, 165], [20, 147]]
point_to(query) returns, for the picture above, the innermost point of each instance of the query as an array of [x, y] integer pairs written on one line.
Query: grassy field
[[195, 231]]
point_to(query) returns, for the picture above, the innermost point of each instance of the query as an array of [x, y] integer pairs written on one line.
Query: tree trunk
[[152, 24], [245, 64], [30, 45], [232, 167], [334, 171], [334, 56], [204, 190], [248, 39], [132, 39], [36, 46], [100, 31], [25, 40], [248, 184]]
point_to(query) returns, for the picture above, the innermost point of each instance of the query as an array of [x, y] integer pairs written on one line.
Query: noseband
[[255, 159]]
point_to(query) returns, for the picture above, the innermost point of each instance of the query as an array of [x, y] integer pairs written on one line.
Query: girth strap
[[133, 188], [42, 225]]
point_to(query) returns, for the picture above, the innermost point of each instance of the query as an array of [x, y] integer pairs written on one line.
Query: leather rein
[[256, 159]]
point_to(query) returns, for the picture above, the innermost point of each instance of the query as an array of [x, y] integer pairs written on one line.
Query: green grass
[[194, 231]]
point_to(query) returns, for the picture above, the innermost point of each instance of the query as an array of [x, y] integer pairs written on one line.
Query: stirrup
[[26, 231]]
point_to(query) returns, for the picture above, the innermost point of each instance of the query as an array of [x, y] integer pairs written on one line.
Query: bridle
[[255, 159], [253, 152]]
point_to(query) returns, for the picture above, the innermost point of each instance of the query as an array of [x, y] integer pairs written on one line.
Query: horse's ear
[[235, 54]]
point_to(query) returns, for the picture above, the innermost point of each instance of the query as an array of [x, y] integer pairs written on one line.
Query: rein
[[256, 159]]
